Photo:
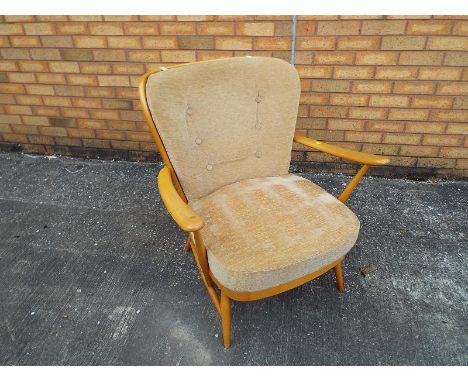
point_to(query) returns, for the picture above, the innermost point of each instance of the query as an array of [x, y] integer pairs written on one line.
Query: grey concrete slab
[[92, 271]]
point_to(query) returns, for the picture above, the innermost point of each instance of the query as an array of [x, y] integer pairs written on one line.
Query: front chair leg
[[226, 319], [339, 276]]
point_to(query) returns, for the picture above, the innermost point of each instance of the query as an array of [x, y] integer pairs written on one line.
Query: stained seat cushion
[[264, 232]]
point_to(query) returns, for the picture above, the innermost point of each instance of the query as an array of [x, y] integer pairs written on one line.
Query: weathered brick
[[454, 152], [117, 54], [425, 127], [130, 42], [353, 72], [361, 136], [448, 43], [57, 101], [255, 29], [367, 113], [76, 55], [64, 67], [57, 41], [403, 42], [50, 78], [428, 27], [372, 87], [128, 68], [62, 122], [408, 114], [349, 99], [95, 68], [178, 56], [432, 102], [386, 126], [376, 58], [337, 58], [449, 115], [160, 42], [71, 28], [33, 66], [358, 43], [419, 151], [396, 73], [11, 29], [453, 88], [421, 58], [316, 43], [54, 131], [272, 43], [460, 103], [82, 79], [39, 28], [328, 111], [195, 42], [65, 90], [306, 28], [460, 28], [407, 87], [107, 29], [216, 29], [141, 28], [113, 80], [402, 138], [345, 124], [14, 53], [177, 28], [25, 41], [45, 54], [40, 89], [90, 41], [334, 86], [338, 27], [234, 43], [440, 73], [442, 140], [383, 27], [456, 58], [457, 128], [389, 101], [314, 71]]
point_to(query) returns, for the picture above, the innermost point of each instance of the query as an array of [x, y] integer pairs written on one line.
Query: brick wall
[[391, 85]]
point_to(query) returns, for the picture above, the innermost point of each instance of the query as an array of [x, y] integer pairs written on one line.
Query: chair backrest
[[225, 120]]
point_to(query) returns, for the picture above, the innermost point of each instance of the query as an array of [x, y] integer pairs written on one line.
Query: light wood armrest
[[355, 156], [180, 211]]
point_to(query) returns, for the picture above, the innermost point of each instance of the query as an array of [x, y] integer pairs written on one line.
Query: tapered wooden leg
[[339, 276], [187, 244], [226, 319]]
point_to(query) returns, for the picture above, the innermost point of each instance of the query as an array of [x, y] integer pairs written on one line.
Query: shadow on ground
[[92, 271]]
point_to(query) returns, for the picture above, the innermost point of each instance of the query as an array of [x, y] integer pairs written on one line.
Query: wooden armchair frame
[[188, 220]]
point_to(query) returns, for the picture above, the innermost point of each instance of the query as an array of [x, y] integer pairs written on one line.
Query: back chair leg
[[226, 319], [339, 276], [187, 244]]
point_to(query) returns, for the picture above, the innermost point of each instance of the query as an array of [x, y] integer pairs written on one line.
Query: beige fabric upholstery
[[222, 121], [267, 231]]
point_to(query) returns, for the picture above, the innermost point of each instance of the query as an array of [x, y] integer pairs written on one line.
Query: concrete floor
[[92, 271]]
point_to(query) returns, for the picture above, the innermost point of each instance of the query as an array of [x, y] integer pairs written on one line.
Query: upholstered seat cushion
[[264, 232]]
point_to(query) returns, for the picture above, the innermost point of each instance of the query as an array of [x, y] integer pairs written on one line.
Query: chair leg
[[339, 276], [187, 244], [226, 319]]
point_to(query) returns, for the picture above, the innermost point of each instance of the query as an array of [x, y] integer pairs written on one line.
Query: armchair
[[224, 129]]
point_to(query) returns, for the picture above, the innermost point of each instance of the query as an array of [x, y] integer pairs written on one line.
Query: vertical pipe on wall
[[293, 42]]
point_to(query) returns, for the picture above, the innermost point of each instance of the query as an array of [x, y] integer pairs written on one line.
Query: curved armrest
[[355, 156], [180, 211]]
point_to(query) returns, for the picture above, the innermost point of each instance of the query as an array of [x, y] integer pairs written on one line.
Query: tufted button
[[189, 111], [198, 141], [209, 167], [258, 154], [258, 99], [258, 125]]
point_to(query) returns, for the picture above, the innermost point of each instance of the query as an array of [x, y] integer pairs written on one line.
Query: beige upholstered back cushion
[[222, 121]]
